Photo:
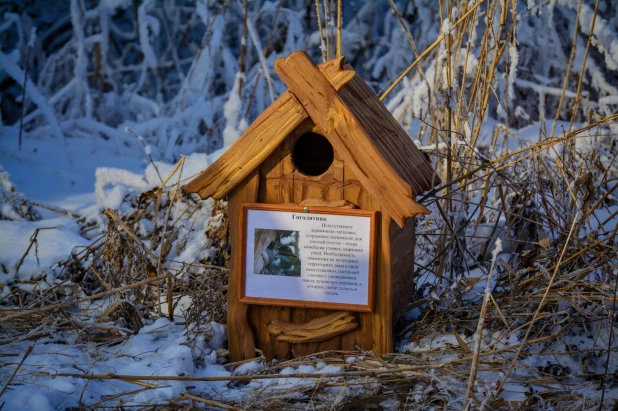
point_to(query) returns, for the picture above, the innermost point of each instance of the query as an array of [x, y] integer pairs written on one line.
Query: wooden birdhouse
[[320, 192]]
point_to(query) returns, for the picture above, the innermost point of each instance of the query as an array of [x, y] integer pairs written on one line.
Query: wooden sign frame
[[243, 298]]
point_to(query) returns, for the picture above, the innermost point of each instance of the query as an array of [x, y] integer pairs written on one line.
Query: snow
[[258, 47], [454, 13], [497, 250], [514, 57], [520, 112], [47, 171], [193, 165], [250, 367], [107, 175], [420, 99], [443, 341], [500, 111], [9, 65], [52, 246], [147, 24], [157, 350], [447, 25], [604, 35], [285, 383], [231, 110], [28, 400], [32, 37]]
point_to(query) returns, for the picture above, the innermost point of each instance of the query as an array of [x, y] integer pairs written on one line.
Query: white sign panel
[[311, 259]]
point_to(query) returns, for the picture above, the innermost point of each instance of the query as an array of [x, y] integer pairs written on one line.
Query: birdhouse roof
[[356, 123]]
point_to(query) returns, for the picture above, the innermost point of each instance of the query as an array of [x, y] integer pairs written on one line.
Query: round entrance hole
[[312, 154]]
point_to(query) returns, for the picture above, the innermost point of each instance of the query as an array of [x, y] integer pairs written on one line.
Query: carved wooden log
[[327, 203], [320, 329]]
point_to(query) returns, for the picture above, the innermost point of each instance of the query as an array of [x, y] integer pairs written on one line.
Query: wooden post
[[240, 337]]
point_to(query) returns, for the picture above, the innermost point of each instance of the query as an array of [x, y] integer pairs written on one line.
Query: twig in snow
[[212, 403], [21, 198], [170, 307], [147, 151], [243, 48], [25, 84], [25, 313], [612, 312], [33, 240], [8, 382], [541, 305], [319, 16], [479, 328], [568, 70], [339, 18], [582, 71], [426, 52]]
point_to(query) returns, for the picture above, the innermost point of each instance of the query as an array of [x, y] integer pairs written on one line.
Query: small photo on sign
[[276, 252]]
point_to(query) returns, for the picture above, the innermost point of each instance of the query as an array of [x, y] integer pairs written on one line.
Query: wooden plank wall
[[403, 242], [280, 183]]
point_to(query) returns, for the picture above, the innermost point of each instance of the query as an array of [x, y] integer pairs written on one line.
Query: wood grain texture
[[376, 327], [382, 317], [281, 183], [403, 242], [347, 135], [262, 137], [388, 136], [241, 342], [337, 73], [375, 168], [356, 123], [275, 188], [321, 202], [329, 187], [317, 330]]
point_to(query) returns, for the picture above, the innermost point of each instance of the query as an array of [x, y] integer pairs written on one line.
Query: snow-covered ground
[[67, 177], [85, 181], [157, 350]]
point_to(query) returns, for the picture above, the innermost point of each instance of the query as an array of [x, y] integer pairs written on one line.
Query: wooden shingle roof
[[359, 127]]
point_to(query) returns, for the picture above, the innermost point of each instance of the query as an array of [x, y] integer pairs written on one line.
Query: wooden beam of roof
[[389, 137], [349, 139], [356, 123], [261, 138], [251, 149]]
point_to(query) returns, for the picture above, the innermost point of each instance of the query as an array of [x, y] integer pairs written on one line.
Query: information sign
[[314, 257]]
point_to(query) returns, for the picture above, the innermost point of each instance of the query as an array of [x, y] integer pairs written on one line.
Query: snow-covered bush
[[190, 77]]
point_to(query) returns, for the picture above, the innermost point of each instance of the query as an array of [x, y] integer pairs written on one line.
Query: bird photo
[[276, 252]]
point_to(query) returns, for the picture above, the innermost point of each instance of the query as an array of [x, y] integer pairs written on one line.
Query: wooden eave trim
[[261, 139], [251, 149]]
